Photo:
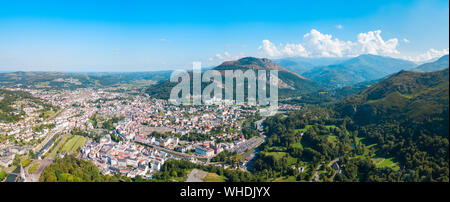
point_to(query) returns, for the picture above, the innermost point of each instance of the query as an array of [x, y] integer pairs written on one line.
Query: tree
[[174, 174]]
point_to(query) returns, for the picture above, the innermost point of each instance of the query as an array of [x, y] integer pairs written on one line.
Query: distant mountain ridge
[[254, 63], [359, 69], [405, 95], [302, 64], [440, 64], [61, 80], [290, 83]]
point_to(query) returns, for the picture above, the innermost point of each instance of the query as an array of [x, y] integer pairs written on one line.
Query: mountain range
[[349, 74], [359, 69], [301, 64], [335, 77], [437, 65], [290, 83], [406, 95], [63, 80]]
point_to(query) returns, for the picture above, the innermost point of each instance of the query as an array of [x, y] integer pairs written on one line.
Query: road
[[49, 137], [316, 173], [74, 145], [171, 151], [249, 144], [196, 175], [330, 164], [34, 177], [53, 154]]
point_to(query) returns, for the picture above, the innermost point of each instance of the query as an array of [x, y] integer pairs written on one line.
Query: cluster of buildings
[[8, 153], [68, 117], [124, 157], [22, 130], [288, 107], [141, 116]]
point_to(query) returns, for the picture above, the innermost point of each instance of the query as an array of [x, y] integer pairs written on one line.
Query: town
[[128, 134]]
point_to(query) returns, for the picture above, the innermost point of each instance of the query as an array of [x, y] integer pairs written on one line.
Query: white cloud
[[339, 26], [221, 57], [372, 42], [270, 49], [323, 45], [429, 55], [316, 44], [295, 50], [225, 56]]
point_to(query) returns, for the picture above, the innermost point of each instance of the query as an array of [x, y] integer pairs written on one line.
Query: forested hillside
[[395, 130], [12, 104]]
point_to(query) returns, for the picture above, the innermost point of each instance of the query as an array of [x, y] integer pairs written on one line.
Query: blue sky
[[145, 36]]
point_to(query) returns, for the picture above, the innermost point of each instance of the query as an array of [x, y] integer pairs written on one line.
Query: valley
[[388, 125]]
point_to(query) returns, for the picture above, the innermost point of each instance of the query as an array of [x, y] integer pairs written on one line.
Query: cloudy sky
[[144, 36]]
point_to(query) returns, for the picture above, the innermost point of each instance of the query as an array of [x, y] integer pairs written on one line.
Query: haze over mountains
[[359, 69], [300, 76], [290, 83], [437, 65], [287, 79], [340, 72], [400, 118], [61, 80], [302, 64], [297, 76]]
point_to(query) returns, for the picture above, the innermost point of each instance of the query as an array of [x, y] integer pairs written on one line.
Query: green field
[[298, 145], [303, 129], [386, 162], [278, 155], [277, 149], [79, 144], [57, 146], [330, 126], [74, 143], [380, 162], [70, 144], [286, 179], [332, 139], [33, 168], [213, 177], [3, 175], [309, 126]]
